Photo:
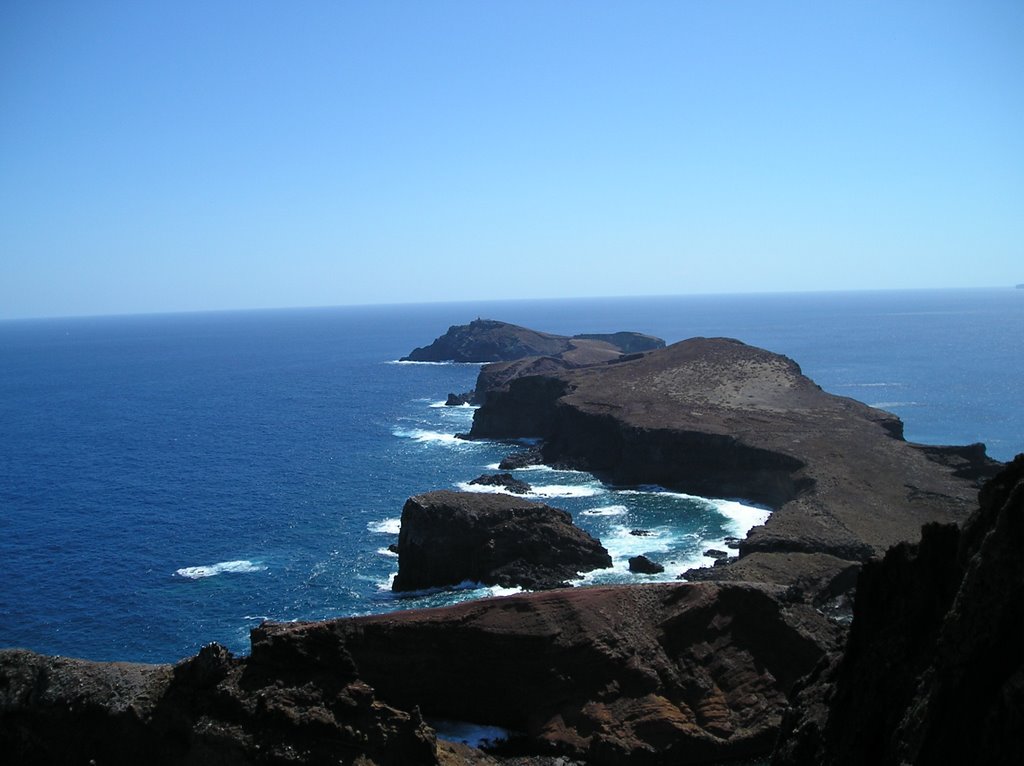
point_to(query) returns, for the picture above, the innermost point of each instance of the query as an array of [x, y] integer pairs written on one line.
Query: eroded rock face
[[934, 668], [450, 537], [299, 704], [643, 674]]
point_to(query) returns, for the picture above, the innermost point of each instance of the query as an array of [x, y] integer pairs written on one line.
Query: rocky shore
[[749, 657]]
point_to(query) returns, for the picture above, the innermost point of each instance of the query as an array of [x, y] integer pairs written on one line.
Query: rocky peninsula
[[698, 672], [718, 418]]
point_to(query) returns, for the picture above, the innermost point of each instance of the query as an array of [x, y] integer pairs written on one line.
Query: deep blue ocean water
[[166, 481]]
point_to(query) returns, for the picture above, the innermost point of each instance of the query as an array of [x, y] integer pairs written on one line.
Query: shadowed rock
[[933, 671], [643, 565], [290, 703]]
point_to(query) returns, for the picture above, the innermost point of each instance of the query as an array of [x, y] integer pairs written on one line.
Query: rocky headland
[[488, 340], [698, 672], [718, 418], [515, 351]]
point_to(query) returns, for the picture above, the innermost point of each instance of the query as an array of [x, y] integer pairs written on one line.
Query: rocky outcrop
[[933, 671], [448, 538], [642, 674], [294, 703], [718, 418], [506, 481], [643, 565], [488, 340]]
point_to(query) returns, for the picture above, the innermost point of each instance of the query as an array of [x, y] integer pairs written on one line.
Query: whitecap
[[387, 552], [453, 407], [424, 436], [436, 364], [211, 570], [386, 527], [742, 516], [891, 405], [607, 510], [565, 490]]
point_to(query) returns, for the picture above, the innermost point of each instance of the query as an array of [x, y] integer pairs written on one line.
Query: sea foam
[[390, 526], [211, 570]]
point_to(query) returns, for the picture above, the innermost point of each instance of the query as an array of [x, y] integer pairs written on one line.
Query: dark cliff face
[[495, 539], [933, 671], [288, 704]]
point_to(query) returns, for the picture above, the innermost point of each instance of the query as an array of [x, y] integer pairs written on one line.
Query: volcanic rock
[[452, 537], [506, 480], [643, 565], [640, 674], [933, 671], [459, 400], [718, 418], [522, 459], [291, 703]]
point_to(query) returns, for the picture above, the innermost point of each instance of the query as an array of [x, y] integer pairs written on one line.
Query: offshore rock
[[718, 418], [488, 340], [933, 671], [643, 565], [505, 480], [448, 538], [640, 674], [287, 704]]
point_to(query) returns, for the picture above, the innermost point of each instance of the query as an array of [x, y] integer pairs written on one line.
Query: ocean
[[171, 480]]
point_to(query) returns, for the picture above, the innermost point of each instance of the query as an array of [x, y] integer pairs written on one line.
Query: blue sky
[[213, 155]]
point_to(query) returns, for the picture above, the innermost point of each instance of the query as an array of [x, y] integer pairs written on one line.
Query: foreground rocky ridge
[[933, 671], [648, 674], [718, 418]]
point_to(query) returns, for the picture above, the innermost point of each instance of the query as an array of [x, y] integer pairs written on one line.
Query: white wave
[[891, 405], [386, 527], [385, 585], [490, 489], [424, 436], [387, 552], [211, 570], [467, 407], [565, 490], [607, 510], [742, 517], [436, 364]]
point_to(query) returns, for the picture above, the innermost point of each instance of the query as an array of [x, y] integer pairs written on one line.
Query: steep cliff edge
[[933, 671], [719, 418]]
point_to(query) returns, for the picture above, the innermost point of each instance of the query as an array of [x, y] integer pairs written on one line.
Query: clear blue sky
[[163, 156]]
